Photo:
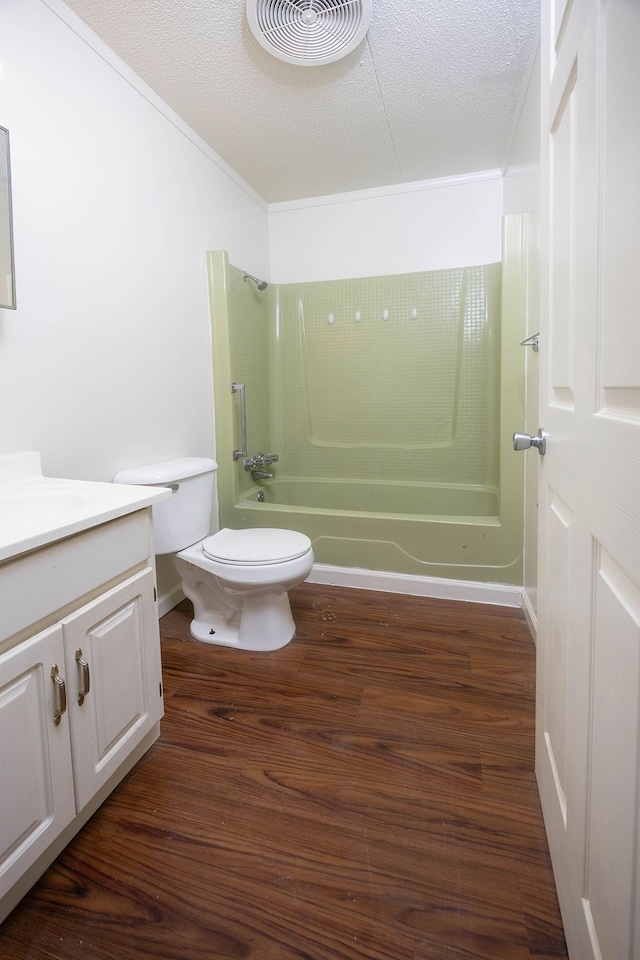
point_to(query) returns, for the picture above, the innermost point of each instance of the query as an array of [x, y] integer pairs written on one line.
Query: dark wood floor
[[366, 792]]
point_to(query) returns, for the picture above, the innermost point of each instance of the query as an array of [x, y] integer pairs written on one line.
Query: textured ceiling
[[432, 90]]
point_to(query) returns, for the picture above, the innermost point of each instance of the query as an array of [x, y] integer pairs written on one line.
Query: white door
[[588, 724], [112, 652]]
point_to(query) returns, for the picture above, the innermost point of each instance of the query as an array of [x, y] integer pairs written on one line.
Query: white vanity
[[80, 672]]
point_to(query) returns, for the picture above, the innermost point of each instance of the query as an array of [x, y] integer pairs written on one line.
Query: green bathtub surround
[[240, 355], [391, 401], [443, 547], [392, 378], [404, 527]]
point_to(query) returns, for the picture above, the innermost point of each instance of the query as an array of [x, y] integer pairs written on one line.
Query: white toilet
[[237, 580]]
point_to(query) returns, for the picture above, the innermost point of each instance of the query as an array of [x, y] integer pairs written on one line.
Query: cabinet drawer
[[36, 584]]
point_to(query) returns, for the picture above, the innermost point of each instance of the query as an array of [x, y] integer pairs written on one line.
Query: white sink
[[35, 510]]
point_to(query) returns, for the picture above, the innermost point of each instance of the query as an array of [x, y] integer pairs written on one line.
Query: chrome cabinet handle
[[522, 441], [85, 676], [59, 694]]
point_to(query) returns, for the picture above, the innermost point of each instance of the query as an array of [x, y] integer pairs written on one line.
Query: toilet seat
[[258, 545]]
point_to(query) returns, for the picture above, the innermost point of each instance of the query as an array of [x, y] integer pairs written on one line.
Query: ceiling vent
[[309, 32]]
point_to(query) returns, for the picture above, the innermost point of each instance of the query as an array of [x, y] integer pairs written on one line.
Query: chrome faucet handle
[[260, 460]]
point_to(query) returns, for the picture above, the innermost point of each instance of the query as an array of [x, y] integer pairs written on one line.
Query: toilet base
[[241, 605], [264, 623]]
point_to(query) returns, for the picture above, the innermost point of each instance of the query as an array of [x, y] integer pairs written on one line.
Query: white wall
[[106, 362], [431, 225]]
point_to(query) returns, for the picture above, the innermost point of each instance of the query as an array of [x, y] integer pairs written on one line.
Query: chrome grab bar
[[239, 388]]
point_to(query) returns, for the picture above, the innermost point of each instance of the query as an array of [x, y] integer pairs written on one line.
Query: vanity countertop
[[36, 510]]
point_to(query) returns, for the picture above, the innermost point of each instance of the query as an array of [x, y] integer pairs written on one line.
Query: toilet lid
[[257, 545]]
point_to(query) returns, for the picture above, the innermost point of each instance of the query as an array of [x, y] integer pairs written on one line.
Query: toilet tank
[[186, 517]]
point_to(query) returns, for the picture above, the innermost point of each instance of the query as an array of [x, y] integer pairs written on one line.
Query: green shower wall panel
[[392, 377]]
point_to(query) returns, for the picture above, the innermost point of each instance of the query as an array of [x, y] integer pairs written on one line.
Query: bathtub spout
[[261, 475]]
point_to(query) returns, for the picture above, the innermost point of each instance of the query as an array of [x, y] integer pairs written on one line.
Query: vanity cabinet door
[[112, 647], [36, 781]]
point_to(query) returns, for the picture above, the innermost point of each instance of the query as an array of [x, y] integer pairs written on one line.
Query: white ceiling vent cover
[[309, 32]]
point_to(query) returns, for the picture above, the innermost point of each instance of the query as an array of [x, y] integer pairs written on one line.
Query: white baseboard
[[503, 594], [530, 614], [167, 601]]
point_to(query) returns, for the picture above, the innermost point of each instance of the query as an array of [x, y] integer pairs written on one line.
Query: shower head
[[260, 284]]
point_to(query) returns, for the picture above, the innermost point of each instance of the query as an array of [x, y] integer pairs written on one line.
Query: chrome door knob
[[522, 441]]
